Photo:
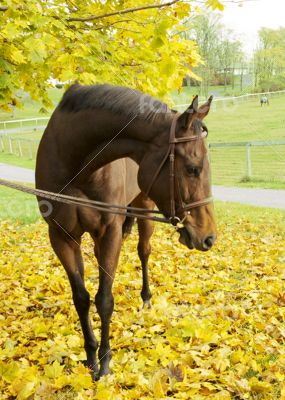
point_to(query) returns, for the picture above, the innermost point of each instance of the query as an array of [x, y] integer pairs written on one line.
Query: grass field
[[229, 121], [16, 160], [20, 207], [17, 206], [246, 121]]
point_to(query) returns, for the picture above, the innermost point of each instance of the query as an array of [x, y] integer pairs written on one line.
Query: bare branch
[[126, 11]]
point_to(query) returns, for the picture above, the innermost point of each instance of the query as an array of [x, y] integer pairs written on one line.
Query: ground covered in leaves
[[216, 329]]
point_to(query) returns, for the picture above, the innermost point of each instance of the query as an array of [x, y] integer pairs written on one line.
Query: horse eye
[[192, 171], [204, 128]]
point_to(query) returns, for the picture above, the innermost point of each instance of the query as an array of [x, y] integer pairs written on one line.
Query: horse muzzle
[[192, 242]]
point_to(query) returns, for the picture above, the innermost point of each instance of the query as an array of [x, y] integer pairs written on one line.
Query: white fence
[[236, 98], [18, 125], [262, 161], [21, 147]]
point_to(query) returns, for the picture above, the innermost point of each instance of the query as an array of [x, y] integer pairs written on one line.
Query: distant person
[[264, 100]]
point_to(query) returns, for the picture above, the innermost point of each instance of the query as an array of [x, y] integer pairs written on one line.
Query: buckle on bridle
[[177, 222], [174, 220]]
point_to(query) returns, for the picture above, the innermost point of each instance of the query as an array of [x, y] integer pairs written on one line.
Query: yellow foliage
[[80, 40], [215, 329]]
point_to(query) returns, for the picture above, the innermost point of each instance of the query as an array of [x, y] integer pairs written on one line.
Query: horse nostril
[[208, 242]]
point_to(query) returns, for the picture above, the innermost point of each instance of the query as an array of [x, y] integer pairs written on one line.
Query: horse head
[[188, 197]]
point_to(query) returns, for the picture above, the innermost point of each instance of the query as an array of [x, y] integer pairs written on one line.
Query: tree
[[269, 59], [220, 51], [205, 32], [229, 54], [111, 41]]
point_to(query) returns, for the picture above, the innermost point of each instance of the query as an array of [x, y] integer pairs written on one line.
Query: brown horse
[[91, 127]]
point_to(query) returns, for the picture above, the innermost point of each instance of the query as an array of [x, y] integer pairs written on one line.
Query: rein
[[97, 205], [141, 213]]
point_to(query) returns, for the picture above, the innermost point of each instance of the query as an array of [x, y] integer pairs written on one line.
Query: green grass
[[243, 120], [17, 206], [226, 211], [260, 183], [234, 121], [20, 207], [247, 121], [268, 163], [16, 160]]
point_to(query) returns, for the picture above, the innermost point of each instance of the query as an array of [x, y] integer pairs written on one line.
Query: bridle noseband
[[174, 219]]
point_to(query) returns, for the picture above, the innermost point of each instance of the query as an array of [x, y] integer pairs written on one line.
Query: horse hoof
[[95, 377], [147, 304], [93, 370], [104, 371]]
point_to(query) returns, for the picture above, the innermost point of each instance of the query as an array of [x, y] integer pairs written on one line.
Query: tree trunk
[[241, 79], [225, 79]]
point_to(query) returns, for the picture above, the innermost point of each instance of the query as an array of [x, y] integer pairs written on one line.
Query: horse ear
[[204, 109], [185, 118]]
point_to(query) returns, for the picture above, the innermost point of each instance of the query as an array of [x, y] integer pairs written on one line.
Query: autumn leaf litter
[[215, 330]]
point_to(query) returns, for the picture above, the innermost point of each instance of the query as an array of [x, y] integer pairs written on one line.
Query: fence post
[[10, 145], [31, 151], [248, 161], [20, 148]]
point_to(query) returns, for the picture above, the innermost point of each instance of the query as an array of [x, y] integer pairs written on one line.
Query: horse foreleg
[[108, 254], [69, 253], [145, 229]]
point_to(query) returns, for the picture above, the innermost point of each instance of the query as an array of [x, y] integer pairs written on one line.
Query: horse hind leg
[[69, 253]]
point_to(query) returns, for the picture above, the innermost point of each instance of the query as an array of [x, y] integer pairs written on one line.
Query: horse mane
[[118, 99]]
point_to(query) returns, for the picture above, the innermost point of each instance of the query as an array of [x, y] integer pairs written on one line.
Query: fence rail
[[237, 162], [21, 147], [235, 98], [231, 162], [22, 125]]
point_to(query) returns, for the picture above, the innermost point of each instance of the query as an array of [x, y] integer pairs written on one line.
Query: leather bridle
[[183, 208]]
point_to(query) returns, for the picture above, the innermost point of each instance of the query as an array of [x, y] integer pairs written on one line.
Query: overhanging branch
[[101, 16], [126, 11]]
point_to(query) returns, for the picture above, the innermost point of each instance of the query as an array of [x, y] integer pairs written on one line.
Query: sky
[[247, 17]]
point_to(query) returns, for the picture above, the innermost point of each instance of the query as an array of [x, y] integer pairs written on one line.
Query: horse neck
[[133, 141]]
